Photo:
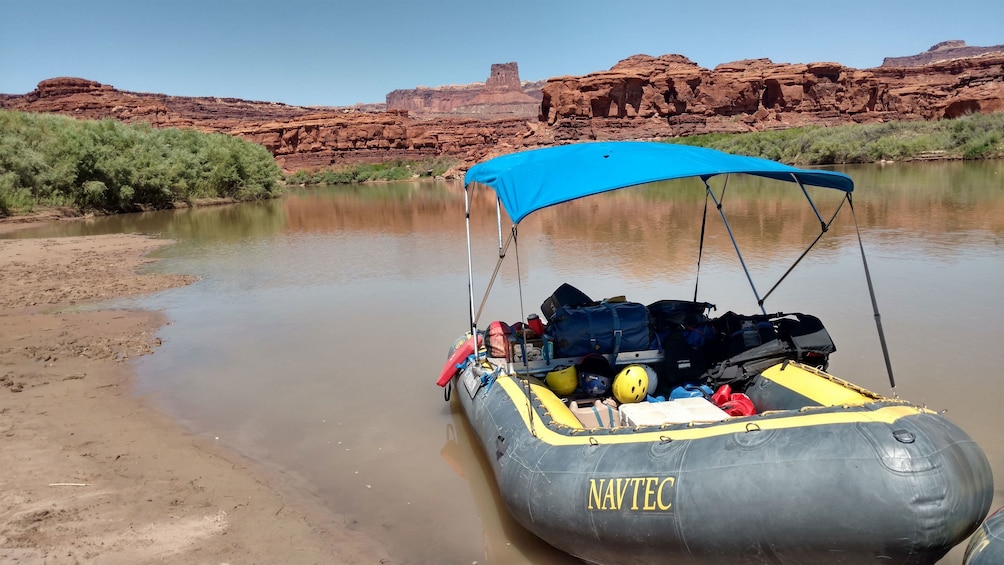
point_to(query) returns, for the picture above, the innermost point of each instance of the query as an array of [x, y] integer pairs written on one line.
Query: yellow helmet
[[563, 380], [631, 384]]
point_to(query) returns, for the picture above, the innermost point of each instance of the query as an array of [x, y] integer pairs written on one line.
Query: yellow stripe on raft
[[812, 384], [886, 414]]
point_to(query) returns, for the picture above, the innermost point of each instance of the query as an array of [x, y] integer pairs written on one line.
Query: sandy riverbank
[[92, 473]]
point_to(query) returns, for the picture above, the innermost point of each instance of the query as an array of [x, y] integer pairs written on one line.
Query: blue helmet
[[593, 384]]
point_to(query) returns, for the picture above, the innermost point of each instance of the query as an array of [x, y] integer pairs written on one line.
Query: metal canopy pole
[[470, 263], [498, 220], [824, 227], [700, 248], [491, 281], [735, 245], [811, 203], [871, 293]]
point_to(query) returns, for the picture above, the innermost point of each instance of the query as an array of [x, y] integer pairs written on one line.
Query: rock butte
[[641, 97]]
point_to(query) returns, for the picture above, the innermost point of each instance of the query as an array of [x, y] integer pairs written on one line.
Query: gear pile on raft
[[599, 356], [622, 432]]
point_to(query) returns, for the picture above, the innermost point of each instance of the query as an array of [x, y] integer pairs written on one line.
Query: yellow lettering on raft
[[621, 492], [594, 494], [662, 485], [609, 501], [649, 491], [609, 494], [634, 500]]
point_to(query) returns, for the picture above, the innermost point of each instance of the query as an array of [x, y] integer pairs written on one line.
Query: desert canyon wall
[[641, 97], [503, 95]]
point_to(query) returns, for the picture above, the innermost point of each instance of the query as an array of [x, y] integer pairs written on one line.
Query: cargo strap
[[610, 413], [617, 330], [488, 379]]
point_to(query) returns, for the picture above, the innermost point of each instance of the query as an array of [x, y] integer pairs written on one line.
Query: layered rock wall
[[92, 100], [670, 96], [324, 140], [943, 52], [299, 137], [641, 97], [501, 96]]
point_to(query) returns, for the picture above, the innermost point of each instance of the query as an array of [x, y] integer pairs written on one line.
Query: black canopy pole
[[871, 292], [822, 231], [700, 249], [735, 244]]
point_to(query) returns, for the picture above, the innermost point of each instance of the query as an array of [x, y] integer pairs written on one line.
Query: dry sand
[[91, 473]]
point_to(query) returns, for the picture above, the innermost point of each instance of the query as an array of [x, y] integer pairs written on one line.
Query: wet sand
[[94, 473]]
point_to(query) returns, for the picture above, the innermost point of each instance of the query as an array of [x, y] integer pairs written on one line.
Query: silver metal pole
[[470, 262], [498, 219]]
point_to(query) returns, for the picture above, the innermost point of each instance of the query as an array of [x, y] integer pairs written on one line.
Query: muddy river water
[[321, 320]]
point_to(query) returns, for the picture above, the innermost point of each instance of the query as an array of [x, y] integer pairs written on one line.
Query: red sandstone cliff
[[503, 95], [299, 137], [92, 100], [641, 97], [323, 140], [941, 53], [668, 96]]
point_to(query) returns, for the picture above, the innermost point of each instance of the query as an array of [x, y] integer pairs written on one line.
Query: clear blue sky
[[336, 53]]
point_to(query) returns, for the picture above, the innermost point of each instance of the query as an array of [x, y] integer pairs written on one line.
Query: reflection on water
[[505, 541], [312, 341]]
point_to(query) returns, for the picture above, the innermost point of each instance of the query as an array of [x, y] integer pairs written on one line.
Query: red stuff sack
[[721, 396], [739, 405], [733, 403], [499, 344]]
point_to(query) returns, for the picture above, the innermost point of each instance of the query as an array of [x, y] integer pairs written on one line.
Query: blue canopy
[[530, 180]]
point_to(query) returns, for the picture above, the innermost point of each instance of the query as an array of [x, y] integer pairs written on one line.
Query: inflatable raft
[[689, 439], [986, 547]]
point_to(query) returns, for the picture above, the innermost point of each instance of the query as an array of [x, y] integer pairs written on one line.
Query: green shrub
[[396, 170], [106, 165], [11, 197], [976, 136], [987, 144]]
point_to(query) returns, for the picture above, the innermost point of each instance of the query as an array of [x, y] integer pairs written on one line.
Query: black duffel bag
[[606, 327], [564, 295]]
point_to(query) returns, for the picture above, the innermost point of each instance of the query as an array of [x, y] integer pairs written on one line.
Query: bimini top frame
[[532, 180]]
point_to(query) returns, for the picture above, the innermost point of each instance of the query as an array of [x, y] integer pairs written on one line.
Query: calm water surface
[[314, 337]]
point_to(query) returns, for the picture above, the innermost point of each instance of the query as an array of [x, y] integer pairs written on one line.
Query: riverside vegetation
[[399, 169], [974, 136], [49, 160]]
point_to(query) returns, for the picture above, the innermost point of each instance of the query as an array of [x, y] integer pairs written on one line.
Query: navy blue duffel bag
[[605, 327]]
